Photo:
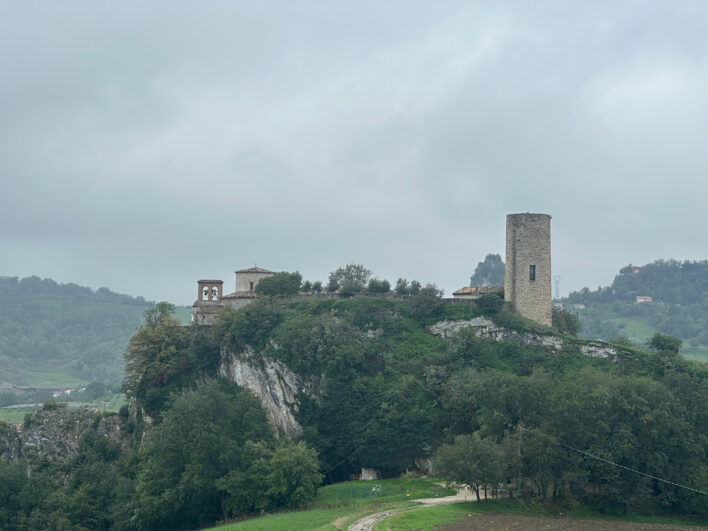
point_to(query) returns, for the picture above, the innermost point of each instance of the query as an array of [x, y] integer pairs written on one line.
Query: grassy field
[[699, 353], [14, 416], [429, 518], [338, 505], [635, 329], [51, 379]]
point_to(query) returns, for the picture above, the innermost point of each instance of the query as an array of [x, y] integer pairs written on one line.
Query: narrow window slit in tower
[[532, 272]]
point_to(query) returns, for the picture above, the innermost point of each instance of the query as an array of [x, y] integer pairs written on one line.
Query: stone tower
[[527, 279]]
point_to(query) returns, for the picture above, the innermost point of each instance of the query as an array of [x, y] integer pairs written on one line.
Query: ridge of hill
[[678, 305], [61, 334]]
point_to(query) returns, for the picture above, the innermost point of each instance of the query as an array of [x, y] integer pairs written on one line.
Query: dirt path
[[368, 522]]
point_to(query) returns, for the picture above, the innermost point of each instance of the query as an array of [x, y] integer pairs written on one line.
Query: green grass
[[428, 518], [315, 519], [14, 416], [699, 353], [345, 502], [51, 379], [634, 329], [115, 403]]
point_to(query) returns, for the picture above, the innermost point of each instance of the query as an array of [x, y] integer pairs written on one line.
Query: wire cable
[[631, 469]]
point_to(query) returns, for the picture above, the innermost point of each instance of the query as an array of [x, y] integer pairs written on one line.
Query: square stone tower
[[527, 279]]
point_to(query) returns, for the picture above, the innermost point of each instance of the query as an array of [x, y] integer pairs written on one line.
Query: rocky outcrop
[[10, 446], [276, 386], [53, 433], [486, 328]]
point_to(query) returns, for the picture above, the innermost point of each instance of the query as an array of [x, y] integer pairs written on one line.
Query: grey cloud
[[142, 147]]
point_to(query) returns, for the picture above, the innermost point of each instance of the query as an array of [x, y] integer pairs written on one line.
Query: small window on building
[[532, 272], [251, 288]]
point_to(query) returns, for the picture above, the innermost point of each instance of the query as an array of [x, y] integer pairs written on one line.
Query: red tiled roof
[[477, 290]]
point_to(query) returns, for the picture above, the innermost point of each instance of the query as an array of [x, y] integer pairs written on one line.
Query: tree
[[379, 286], [356, 274], [471, 461], [490, 303], [200, 440], [426, 301], [158, 351], [661, 342], [565, 321], [282, 283], [401, 286], [490, 272], [160, 313]]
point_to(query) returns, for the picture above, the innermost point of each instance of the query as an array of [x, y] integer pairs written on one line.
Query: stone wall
[[528, 245], [247, 281]]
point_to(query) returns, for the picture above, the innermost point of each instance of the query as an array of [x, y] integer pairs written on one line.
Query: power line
[[521, 428], [631, 469]]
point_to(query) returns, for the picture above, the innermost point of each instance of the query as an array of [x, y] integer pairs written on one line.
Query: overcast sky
[[143, 148]]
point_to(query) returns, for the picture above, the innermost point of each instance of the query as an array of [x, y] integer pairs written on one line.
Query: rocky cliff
[[486, 328], [276, 386], [53, 433]]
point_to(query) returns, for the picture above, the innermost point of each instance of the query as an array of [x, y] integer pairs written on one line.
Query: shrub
[[490, 303]]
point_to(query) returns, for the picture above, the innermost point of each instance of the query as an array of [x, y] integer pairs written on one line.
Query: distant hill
[[51, 332], [678, 305]]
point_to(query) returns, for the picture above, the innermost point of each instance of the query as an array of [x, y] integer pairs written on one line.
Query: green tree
[[471, 461], [401, 287], [662, 342], [490, 303], [155, 354], [356, 274], [379, 286], [490, 272], [200, 440], [282, 283], [565, 321], [426, 302]]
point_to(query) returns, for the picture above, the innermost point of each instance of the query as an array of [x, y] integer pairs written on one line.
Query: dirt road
[[368, 522]]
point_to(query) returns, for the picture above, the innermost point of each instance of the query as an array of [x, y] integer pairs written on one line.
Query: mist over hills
[[675, 295], [46, 326]]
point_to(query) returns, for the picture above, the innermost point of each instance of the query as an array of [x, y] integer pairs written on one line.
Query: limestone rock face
[[10, 445], [54, 434], [276, 386], [485, 328]]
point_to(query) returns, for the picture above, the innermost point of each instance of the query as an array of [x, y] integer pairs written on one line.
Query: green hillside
[[63, 334], [679, 305], [382, 392]]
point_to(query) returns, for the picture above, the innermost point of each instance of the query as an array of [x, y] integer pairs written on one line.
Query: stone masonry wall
[[528, 243]]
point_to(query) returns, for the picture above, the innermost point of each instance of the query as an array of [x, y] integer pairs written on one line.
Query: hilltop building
[[475, 292], [527, 279], [210, 297]]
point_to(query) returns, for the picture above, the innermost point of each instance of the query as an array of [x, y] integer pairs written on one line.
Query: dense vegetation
[[388, 394], [679, 304], [64, 327]]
